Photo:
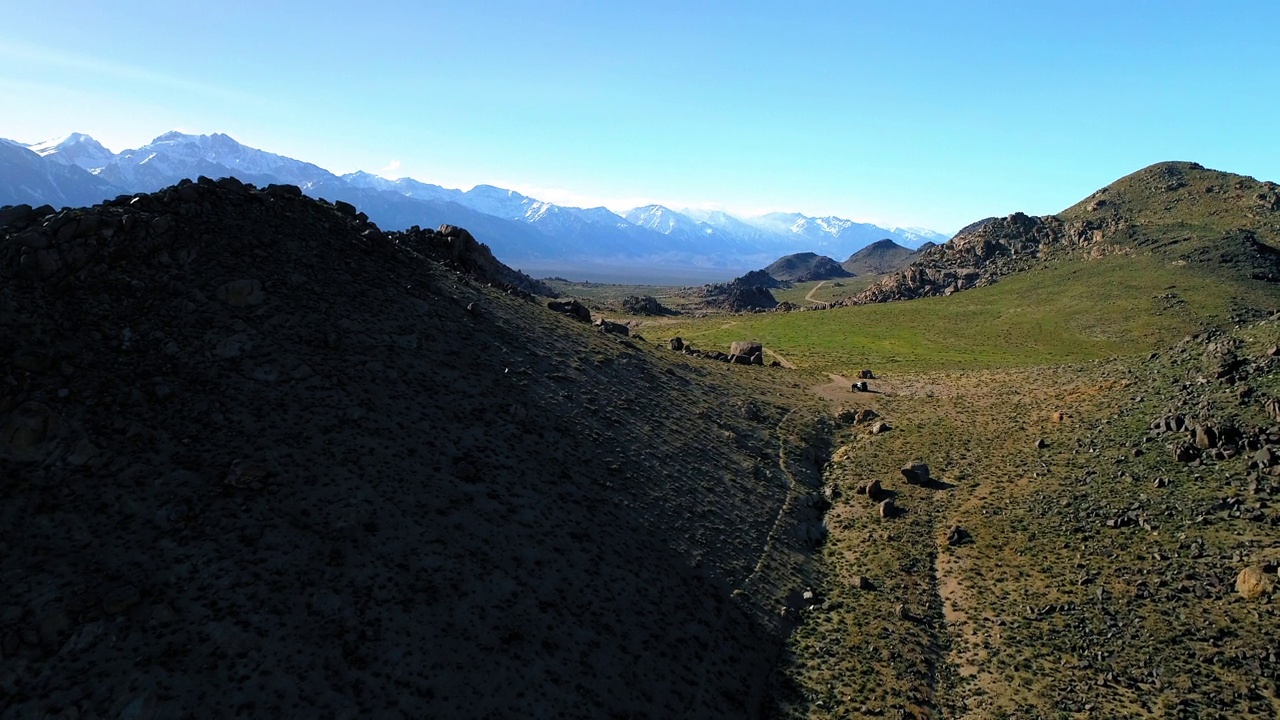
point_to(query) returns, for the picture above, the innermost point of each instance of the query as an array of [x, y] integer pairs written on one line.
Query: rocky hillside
[[1181, 212], [748, 293], [881, 257], [260, 458], [806, 266]]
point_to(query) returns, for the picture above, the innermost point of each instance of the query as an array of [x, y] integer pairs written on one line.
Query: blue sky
[[929, 114]]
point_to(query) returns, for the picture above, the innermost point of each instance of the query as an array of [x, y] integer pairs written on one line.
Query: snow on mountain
[[914, 237], [404, 186], [175, 155], [78, 170], [669, 222], [834, 235], [75, 149]]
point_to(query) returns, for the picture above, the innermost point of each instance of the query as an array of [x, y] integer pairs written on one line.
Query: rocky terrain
[[749, 293], [1180, 211], [262, 459], [805, 267]]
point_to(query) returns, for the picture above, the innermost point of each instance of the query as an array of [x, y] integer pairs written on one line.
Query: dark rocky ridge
[[748, 293], [261, 458], [804, 267], [1180, 210]]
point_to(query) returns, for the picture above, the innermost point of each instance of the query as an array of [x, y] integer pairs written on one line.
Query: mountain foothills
[[521, 230], [262, 457]]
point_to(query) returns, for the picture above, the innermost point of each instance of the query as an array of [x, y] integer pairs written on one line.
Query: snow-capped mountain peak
[[75, 149], [176, 155]]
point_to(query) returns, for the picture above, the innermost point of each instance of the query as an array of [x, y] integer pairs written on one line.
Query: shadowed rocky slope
[[261, 459]]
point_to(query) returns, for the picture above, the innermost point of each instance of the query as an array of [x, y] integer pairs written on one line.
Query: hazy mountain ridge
[[519, 228]]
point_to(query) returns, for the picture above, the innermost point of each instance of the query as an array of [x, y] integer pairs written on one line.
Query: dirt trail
[[778, 356], [809, 296]]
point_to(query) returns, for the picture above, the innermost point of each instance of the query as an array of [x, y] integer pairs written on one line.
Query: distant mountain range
[[522, 231]]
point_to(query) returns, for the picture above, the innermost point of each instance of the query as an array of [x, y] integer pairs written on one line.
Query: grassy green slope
[[1068, 311]]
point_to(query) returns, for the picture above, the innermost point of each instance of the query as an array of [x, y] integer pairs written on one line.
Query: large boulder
[[1205, 437], [644, 305], [572, 308], [1254, 582], [916, 472], [613, 328]]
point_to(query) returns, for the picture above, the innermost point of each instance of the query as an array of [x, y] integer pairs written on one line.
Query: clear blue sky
[[931, 114]]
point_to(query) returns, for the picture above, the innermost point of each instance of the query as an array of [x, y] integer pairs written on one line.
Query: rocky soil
[[1087, 541]]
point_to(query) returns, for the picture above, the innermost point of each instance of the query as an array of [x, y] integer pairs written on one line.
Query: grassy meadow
[[1070, 311]]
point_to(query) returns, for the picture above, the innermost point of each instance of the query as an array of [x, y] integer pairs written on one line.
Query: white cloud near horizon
[[389, 171]]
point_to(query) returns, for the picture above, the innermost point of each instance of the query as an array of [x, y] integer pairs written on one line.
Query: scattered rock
[[861, 582], [1272, 406], [572, 308], [120, 599], [916, 472], [27, 426], [1205, 437], [245, 473], [1186, 452], [613, 328], [872, 490], [880, 427], [1253, 582], [1041, 444], [888, 509], [1265, 457], [241, 293], [866, 375], [957, 536]]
